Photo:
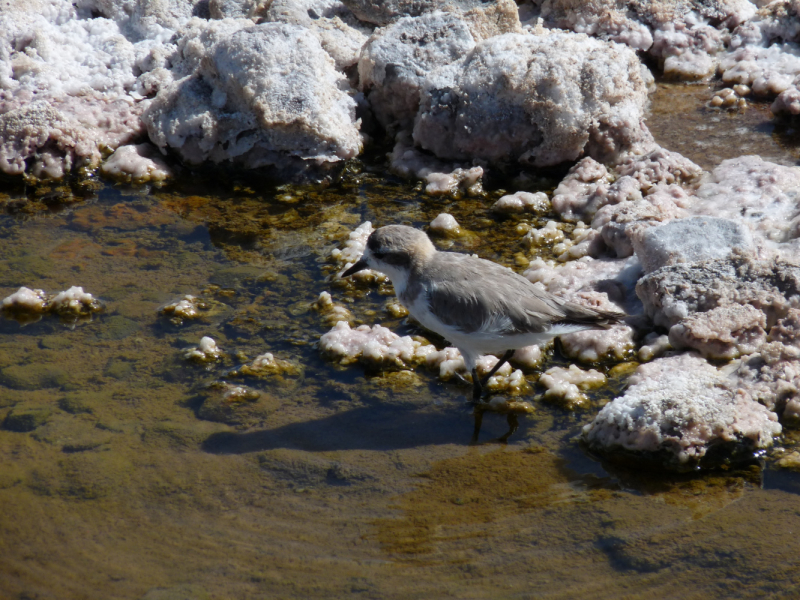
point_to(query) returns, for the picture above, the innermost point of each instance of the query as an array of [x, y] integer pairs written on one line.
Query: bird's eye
[[379, 255]]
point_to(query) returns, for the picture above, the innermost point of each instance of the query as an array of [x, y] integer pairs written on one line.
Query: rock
[[682, 412], [691, 240], [521, 202], [24, 419], [486, 18], [238, 105], [34, 376], [721, 333], [575, 95], [136, 164], [396, 60]]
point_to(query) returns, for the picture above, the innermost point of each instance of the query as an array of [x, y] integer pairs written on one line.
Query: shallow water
[[136, 481]]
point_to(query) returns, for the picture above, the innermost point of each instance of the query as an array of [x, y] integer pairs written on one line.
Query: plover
[[478, 306]]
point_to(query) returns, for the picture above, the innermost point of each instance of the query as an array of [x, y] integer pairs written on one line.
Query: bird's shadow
[[379, 427]]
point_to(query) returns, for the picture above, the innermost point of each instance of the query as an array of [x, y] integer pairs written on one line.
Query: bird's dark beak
[[359, 266]]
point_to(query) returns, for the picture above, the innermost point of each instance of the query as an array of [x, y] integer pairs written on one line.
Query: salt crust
[[267, 364], [593, 102], [445, 224], [136, 164], [380, 348], [522, 202], [352, 251], [187, 308], [331, 312], [450, 179], [73, 302], [567, 385], [206, 351], [681, 404]]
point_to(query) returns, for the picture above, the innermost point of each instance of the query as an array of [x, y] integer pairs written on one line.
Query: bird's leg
[[500, 363], [513, 425], [477, 386], [477, 430]]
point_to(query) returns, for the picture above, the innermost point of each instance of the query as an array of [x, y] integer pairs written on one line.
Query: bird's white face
[[397, 270]]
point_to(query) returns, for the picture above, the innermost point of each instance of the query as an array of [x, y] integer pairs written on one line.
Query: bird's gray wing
[[473, 295]]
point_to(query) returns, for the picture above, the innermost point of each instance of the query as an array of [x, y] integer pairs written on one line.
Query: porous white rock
[[654, 345], [724, 332], [522, 202], [397, 59], [442, 178], [339, 32], [240, 105], [332, 312], [26, 300], [136, 164], [485, 18], [680, 406], [568, 385], [445, 224], [549, 234], [449, 362], [375, 346], [186, 308], [266, 365], [206, 351], [75, 302], [353, 249], [762, 195], [539, 100], [691, 240], [595, 345]]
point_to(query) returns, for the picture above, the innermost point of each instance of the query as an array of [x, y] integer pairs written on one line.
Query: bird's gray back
[[471, 294]]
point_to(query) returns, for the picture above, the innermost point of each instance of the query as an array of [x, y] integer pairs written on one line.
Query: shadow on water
[[382, 427]]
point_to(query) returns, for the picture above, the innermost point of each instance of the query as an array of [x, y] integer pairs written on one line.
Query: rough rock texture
[[685, 37], [397, 59], [678, 408], [238, 104], [339, 32], [486, 18], [535, 99], [691, 240], [137, 164], [724, 332], [760, 194], [764, 52], [672, 293]]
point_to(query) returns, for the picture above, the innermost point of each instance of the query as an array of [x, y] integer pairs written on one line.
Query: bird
[[477, 305]]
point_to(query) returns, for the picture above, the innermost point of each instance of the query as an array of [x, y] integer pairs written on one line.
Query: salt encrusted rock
[[441, 178], [577, 192], [522, 202], [187, 308], [485, 18], [266, 365], [772, 377], [74, 302], [136, 164], [691, 240], [331, 312], [445, 224], [376, 347], [353, 249], [764, 53], [788, 101], [206, 351], [684, 37], [654, 346], [763, 195], [26, 300], [396, 60], [594, 345], [339, 32], [658, 167], [549, 234], [449, 362], [724, 332], [678, 408], [238, 104], [672, 293], [567, 386], [575, 94], [237, 9], [622, 223]]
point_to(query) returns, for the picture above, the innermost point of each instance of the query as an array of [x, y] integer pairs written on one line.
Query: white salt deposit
[[568, 385], [373, 346], [332, 312], [445, 224], [26, 300], [74, 301], [206, 351], [187, 307], [136, 164], [522, 202], [680, 405]]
